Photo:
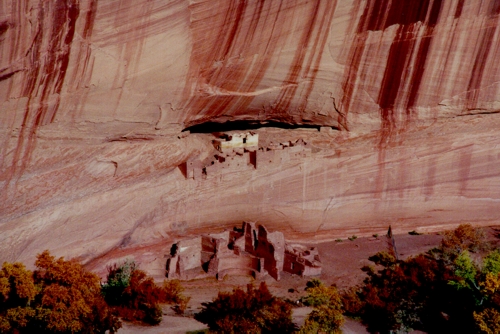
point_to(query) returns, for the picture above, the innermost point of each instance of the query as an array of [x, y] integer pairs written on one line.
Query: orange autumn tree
[[58, 297], [17, 291]]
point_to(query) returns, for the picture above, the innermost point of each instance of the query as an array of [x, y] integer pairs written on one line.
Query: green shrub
[[491, 263], [383, 258], [117, 281], [313, 283]]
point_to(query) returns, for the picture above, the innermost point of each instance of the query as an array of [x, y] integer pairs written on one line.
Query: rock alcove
[[244, 125]]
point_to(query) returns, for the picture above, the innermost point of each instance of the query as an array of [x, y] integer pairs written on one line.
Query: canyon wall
[[94, 94]]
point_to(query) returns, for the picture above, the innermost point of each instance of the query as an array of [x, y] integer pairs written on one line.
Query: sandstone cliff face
[[93, 95]]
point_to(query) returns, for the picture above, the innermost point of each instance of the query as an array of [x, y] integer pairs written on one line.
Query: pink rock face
[[93, 96]]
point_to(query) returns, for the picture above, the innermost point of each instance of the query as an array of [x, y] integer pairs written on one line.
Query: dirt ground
[[342, 261]]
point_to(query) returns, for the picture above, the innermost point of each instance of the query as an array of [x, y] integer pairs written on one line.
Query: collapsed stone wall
[[301, 260], [247, 250]]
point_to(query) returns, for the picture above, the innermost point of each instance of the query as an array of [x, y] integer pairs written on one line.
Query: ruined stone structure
[[276, 153], [301, 260], [250, 250], [238, 151], [230, 142]]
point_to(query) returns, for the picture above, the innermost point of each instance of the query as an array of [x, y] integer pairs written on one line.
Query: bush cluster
[[135, 297], [446, 290], [258, 311], [253, 311], [62, 297], [327, 314]]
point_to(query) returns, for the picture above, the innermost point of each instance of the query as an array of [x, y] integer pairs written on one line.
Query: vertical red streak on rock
[[479, 64], [398, 60], [287, 94], [376, 16], [404, 43], [380, 179], [317, 50], [421, 58], [396, 64], [131, 27], [4, 26], [73, 12], [379, 15], [371, 19], [435, 12], [254, 22], [271, 45], [307, 58], [430, 180], [237, 60], [46, 73], [56, 63], [81, 75], [402, 177], [494, 8], [350, 78], [233, 41], [418, 72], [236, 17], [464, 167], [226, 45], [272, 40], [15, 37], [458, 10], [90, 19]]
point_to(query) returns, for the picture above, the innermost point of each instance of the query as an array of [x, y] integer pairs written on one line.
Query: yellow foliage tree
[[464, 238], [488, 321], [58, 297], [17, 291], [327, 313]]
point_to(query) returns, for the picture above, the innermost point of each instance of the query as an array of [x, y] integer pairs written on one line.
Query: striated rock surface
[[94, 94]]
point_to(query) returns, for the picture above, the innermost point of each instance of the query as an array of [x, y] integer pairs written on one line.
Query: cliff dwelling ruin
[[249, 250], [236, 151]]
